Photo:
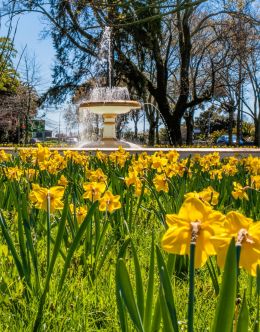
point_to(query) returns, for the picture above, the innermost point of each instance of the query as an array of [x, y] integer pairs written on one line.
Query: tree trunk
[[135, 130], [157, 136], [230, 124], [175, 131], [189, 127], [257, 131], [151, 133]]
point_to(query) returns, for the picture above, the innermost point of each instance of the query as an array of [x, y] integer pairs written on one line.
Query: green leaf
[[75, 243], [119, 298], [213, 275], [167, 324], [55, 252], [150, 287], [121, 309], [224, 315], [126, 291], [11, 246], [139, 283], [243, 319], [167, 289]]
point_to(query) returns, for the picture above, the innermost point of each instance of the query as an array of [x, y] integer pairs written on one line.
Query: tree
[[148, 36], [253, 110], [15, 121], [30, 79], [8, 75], [71, 117], [210, 120]]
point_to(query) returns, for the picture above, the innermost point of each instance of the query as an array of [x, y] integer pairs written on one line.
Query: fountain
[[109, 101]]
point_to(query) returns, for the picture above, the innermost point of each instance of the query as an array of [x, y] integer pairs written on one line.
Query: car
[[35, 140], [224, 140], [72, 140]]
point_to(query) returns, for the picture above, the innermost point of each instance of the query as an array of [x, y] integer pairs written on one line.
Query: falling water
[[109, 94], [100, 93], [105, 53]]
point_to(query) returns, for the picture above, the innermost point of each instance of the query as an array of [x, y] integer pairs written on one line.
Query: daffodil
[[43, 153], [255, 181], [96, 175], [63, 181], [239, 192], [195, 223], [13, 173], [207, 195], [247, 235], [80, 212], [109, 202], [161, 183], [39, 196], [158, 162], [4, 156], [94, 190]]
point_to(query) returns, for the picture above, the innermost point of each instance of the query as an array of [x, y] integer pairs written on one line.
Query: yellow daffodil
[[119, 157], [195, 219], [32, 197], [239, 192], [96, 175], [132, 178], [161, 183], [4, 156], [39, 197], [42, 153], [172, 156], [255, 181], [158, 163], [207, 195], [229, 169], [31, 174], [109, 202], [247, 235], [216, 174], [93, 190], [209, 161], [63, 181], [80, 212], [13, 173], [252, 165], [101, 156]]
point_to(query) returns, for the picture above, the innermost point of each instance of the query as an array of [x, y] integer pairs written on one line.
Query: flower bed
[[129, 241]]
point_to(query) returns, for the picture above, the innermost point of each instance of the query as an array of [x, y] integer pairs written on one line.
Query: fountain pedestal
[[109, 129], [109, 110]]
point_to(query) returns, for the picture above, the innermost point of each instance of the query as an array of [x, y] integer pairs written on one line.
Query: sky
[[29, 37]]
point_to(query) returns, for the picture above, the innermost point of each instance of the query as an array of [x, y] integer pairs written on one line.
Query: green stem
[[48, 230], [191, 287]]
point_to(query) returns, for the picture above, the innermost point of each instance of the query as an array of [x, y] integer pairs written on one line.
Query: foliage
[[211, 120], [9, 79], [88, 229], [176, 52]]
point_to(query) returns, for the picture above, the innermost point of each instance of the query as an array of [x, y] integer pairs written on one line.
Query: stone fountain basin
[[110, 107]]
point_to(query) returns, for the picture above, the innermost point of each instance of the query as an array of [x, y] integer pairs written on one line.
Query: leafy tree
[[8, 75], [15, 116], [168, 48], [210, 120]]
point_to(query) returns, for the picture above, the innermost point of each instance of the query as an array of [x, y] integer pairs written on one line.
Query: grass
[[86, 300]]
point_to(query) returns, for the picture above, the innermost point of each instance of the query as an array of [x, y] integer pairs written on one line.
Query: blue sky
[[29, 36]]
